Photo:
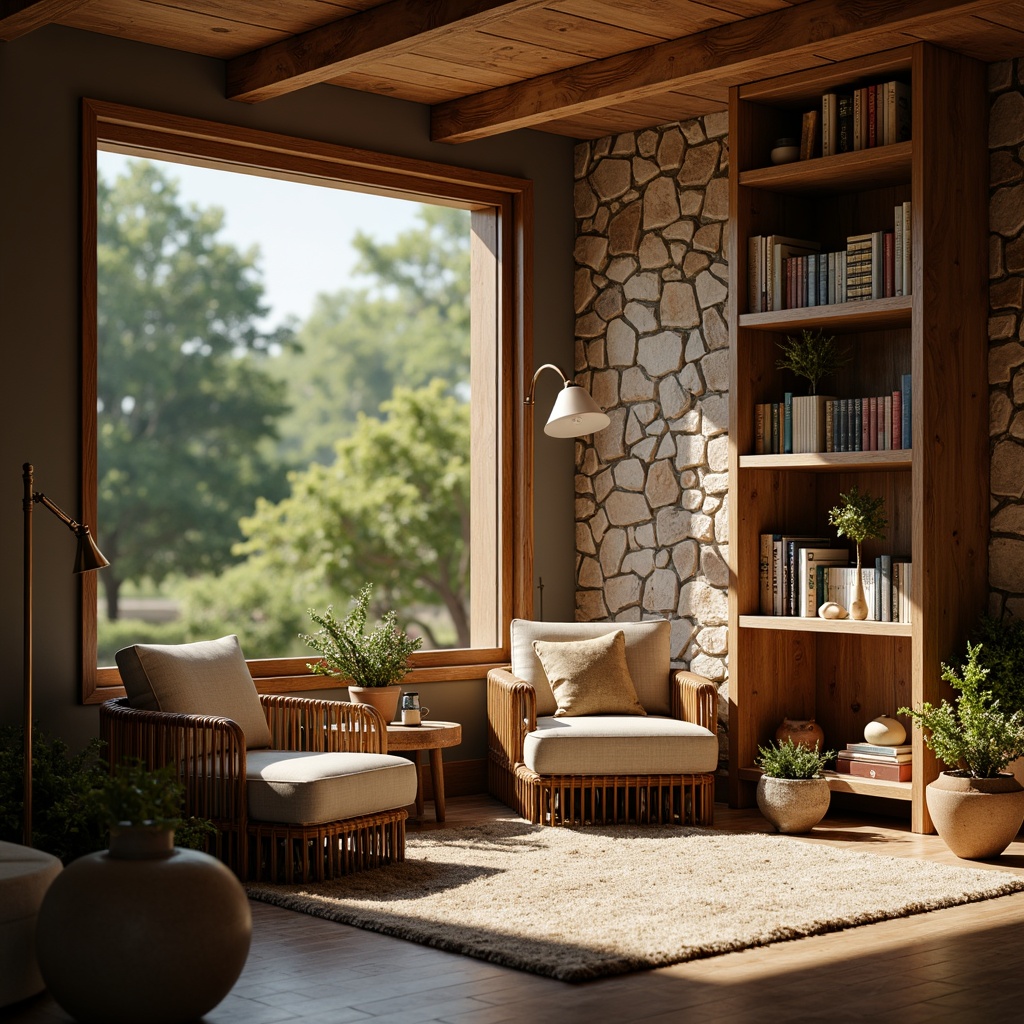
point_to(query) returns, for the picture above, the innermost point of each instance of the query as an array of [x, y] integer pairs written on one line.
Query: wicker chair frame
[[210, 757], [593, 799]]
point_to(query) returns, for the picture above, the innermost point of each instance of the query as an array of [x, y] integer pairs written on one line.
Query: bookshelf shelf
[[832, 462], [837, 627], [840, 672], [841, 318], [849, 784], [864, 169]]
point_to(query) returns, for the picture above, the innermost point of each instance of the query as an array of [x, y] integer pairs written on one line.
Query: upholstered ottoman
[[25, 875]]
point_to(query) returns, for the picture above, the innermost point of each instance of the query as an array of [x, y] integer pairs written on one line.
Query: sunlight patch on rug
[[580, 903]]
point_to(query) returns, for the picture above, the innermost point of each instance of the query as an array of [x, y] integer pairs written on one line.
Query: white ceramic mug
[[414, 716]]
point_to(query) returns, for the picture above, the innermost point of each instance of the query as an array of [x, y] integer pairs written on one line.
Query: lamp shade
[[575, 413], [88, 556]]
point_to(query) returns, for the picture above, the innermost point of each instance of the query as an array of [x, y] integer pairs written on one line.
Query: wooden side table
[[431, 736]]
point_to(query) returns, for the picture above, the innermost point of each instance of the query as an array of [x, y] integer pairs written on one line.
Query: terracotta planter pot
[[793, 805], [976, 818], [383, 698]]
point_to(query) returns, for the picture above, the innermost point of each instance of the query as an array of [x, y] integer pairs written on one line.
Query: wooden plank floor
[[964, 964]]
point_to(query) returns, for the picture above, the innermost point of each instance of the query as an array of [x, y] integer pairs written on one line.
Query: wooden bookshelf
[[845, 673]]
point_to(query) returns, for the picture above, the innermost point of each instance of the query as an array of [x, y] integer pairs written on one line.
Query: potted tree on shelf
[[976, 805], [373, 663], [860, 517], [813, 355], [792, 792]]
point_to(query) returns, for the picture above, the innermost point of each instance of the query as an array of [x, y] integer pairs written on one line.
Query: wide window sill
[[290, 675]]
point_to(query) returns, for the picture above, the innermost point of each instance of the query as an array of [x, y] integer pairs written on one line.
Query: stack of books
[[869, 761]]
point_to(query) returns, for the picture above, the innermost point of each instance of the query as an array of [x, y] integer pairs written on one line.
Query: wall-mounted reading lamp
[[87, 558], [574, 413]]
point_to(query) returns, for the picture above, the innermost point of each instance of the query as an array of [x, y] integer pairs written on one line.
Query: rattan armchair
[[597, 797], [250, 794]]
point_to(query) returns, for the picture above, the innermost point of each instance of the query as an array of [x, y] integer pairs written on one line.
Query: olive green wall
[[43, 78]]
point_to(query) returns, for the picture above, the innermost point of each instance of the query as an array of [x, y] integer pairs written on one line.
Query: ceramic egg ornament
[[885, 732]]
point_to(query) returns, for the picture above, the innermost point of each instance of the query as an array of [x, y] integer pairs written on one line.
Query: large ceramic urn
[[976, 818], [146, 931]]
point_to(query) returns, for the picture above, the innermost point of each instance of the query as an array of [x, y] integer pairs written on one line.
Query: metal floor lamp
[[87, 558]]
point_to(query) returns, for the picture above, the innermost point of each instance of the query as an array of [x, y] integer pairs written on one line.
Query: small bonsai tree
[[789, 760], [813, 355], [377, 658], [859, 517], [975, 737]]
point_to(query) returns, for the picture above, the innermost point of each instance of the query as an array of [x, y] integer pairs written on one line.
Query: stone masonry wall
[[1006, 333], [652, 345]]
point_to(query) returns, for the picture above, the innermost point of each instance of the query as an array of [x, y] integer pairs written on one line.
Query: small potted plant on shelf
[[859, 517], [373, 663], [976, 805], [813, 355], [792, 792]]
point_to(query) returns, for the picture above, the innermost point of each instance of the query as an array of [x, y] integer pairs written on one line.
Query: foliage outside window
[[253, 472]]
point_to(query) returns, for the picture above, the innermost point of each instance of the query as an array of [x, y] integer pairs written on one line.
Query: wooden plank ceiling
[[582, 68]]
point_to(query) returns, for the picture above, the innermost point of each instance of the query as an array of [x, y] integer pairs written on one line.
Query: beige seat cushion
[[205, 678], [303, 788], [648, 655], [25, 875], [589, 677], [619, 745]]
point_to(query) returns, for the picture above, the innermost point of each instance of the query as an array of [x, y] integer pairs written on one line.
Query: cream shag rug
[[579, 903]]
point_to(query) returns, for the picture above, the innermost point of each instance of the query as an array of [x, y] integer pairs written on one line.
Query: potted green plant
[[813, 355], [373, 663], [860, 517], [976, 805], [792, 792]]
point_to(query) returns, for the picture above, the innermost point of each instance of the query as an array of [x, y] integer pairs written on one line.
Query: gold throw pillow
[[589, 677]]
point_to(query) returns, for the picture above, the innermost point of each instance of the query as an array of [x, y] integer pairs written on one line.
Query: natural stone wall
[[1006, 333], [652, 345]]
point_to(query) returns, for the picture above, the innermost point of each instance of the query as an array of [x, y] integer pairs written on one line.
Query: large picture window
[[246, 460]]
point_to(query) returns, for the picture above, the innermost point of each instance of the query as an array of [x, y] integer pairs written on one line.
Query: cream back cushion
[[648, 655], [205, 678]]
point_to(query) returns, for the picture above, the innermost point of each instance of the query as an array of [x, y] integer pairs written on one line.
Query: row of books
[[799, 574], [821, 423], [793, 273], [878, 423], [873, 115], [867, 760]]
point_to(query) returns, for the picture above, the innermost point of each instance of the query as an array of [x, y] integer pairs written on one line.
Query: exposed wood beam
[[683, 64], [331, 50], [19, 17]]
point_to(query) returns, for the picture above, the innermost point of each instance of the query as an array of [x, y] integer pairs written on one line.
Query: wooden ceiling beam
[[19, 17], [683, 64], [348, 44]]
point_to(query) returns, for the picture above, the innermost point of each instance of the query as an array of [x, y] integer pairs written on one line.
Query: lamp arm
[[533, 384], [73, 525]]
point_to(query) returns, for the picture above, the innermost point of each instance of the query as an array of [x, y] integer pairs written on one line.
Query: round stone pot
[[976, 818], [793, 805], [383, 698], [145, 931]]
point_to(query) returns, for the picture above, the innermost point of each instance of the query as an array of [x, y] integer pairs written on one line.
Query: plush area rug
[[582, 903]]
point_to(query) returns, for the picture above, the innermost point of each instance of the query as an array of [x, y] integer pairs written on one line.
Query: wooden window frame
[[502, 238]]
